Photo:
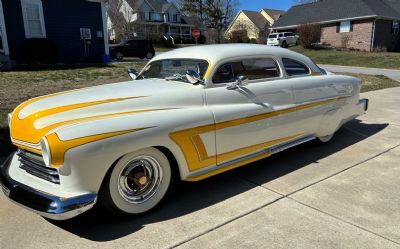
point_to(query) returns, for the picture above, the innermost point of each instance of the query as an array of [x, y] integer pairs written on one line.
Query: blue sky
[[269, 4]]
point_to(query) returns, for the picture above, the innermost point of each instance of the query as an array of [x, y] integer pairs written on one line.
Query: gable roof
[[334, 10], [157, 5], [275, 14], [257, 18]]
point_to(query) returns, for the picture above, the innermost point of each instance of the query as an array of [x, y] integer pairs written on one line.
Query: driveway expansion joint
[[343, 220], [224, 223]]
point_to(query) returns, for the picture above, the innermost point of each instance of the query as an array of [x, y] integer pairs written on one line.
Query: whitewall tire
[[326, 139], [137, 182]]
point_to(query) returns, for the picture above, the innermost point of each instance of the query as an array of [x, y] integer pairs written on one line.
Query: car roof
[[215, 53]]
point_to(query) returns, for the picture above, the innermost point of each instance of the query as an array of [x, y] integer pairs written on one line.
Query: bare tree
[[121, 17], [214, 14]]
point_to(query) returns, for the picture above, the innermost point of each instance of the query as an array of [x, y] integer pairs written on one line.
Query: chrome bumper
[[46, 205]]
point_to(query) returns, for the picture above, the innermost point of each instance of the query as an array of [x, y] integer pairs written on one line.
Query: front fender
[[86, 165]]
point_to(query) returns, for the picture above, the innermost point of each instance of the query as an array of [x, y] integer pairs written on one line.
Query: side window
[[253, 69], [280, 35], [134, 43], [294, 68], [260, 69], [224, 74]]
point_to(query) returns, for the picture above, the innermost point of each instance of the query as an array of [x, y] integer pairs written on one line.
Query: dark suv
[[132, 48]]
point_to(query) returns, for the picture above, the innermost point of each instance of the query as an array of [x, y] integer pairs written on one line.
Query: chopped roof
[[331, 10]]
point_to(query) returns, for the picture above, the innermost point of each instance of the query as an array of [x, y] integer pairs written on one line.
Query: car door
[[249, 118]]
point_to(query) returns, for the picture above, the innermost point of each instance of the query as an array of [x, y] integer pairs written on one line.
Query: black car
[[133, 48]]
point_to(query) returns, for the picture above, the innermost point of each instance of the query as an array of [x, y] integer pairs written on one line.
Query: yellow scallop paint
[[59, 147], [193, 148], [24, 130]]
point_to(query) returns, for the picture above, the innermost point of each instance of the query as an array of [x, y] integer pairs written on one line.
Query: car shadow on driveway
[[191, 197]]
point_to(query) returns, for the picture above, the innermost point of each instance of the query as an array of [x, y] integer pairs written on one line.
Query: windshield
[[272, 36], [173, 69]]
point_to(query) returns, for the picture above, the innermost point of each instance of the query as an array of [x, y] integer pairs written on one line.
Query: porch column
[[3, 31], [105, 30]]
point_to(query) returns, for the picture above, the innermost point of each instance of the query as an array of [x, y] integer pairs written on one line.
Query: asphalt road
[[340, 195], [391, 73]]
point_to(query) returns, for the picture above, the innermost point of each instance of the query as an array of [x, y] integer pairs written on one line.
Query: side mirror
[[193, 77], [240, 81], [133, 73]]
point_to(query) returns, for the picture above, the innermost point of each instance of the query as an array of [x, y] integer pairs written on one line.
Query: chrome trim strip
[[272, 150], [289, 145]]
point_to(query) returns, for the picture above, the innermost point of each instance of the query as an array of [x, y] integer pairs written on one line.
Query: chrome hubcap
[[140, 179]]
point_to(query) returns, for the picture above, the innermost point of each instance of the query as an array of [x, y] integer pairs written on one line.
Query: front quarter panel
[[86, 165]]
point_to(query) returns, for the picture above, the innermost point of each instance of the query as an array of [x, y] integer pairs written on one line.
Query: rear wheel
[[137, 183], [326, 139]]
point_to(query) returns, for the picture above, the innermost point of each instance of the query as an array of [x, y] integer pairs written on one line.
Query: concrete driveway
[[340, 195], [391, 73]]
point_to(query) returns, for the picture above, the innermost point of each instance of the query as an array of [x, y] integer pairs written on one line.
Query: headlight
[[9, 119], [45, 151]]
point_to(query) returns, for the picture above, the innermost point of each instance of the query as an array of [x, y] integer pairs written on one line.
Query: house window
[[395, 27], [345, 27], [32, 11]]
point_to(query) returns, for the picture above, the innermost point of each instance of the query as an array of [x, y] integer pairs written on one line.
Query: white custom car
[[189, 114]]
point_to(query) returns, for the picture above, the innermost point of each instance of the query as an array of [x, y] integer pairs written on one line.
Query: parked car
[[133, 48], [189, 114], [283, 39]]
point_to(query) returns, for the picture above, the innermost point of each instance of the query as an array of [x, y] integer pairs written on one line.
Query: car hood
[[43, 115]]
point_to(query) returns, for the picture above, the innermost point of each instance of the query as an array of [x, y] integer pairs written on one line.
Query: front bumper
[[46, 205]]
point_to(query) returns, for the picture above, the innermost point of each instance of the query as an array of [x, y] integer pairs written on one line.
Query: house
[[366, 25], [151, 19], [52, 30], [253, 24]]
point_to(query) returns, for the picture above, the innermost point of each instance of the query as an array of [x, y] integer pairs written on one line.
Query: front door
[[252, 117]]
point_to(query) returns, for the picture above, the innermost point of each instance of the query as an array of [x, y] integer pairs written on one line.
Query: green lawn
[[352, 58]]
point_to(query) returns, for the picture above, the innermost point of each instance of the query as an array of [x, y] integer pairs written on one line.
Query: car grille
[[33, 164]]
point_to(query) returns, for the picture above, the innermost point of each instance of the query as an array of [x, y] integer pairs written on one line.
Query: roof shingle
[[331, 10]]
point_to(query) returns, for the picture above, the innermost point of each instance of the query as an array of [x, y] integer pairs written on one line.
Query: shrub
[[309, 34], [345, 40], [239, 36]]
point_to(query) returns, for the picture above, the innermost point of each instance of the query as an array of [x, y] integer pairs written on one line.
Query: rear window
[[272, 36], [294, 68]]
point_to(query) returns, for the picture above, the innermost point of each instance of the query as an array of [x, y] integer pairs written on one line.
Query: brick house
[[366, 25]]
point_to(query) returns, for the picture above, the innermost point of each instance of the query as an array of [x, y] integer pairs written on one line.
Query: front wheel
[[137, 183], [119, 56], [284, 44]]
